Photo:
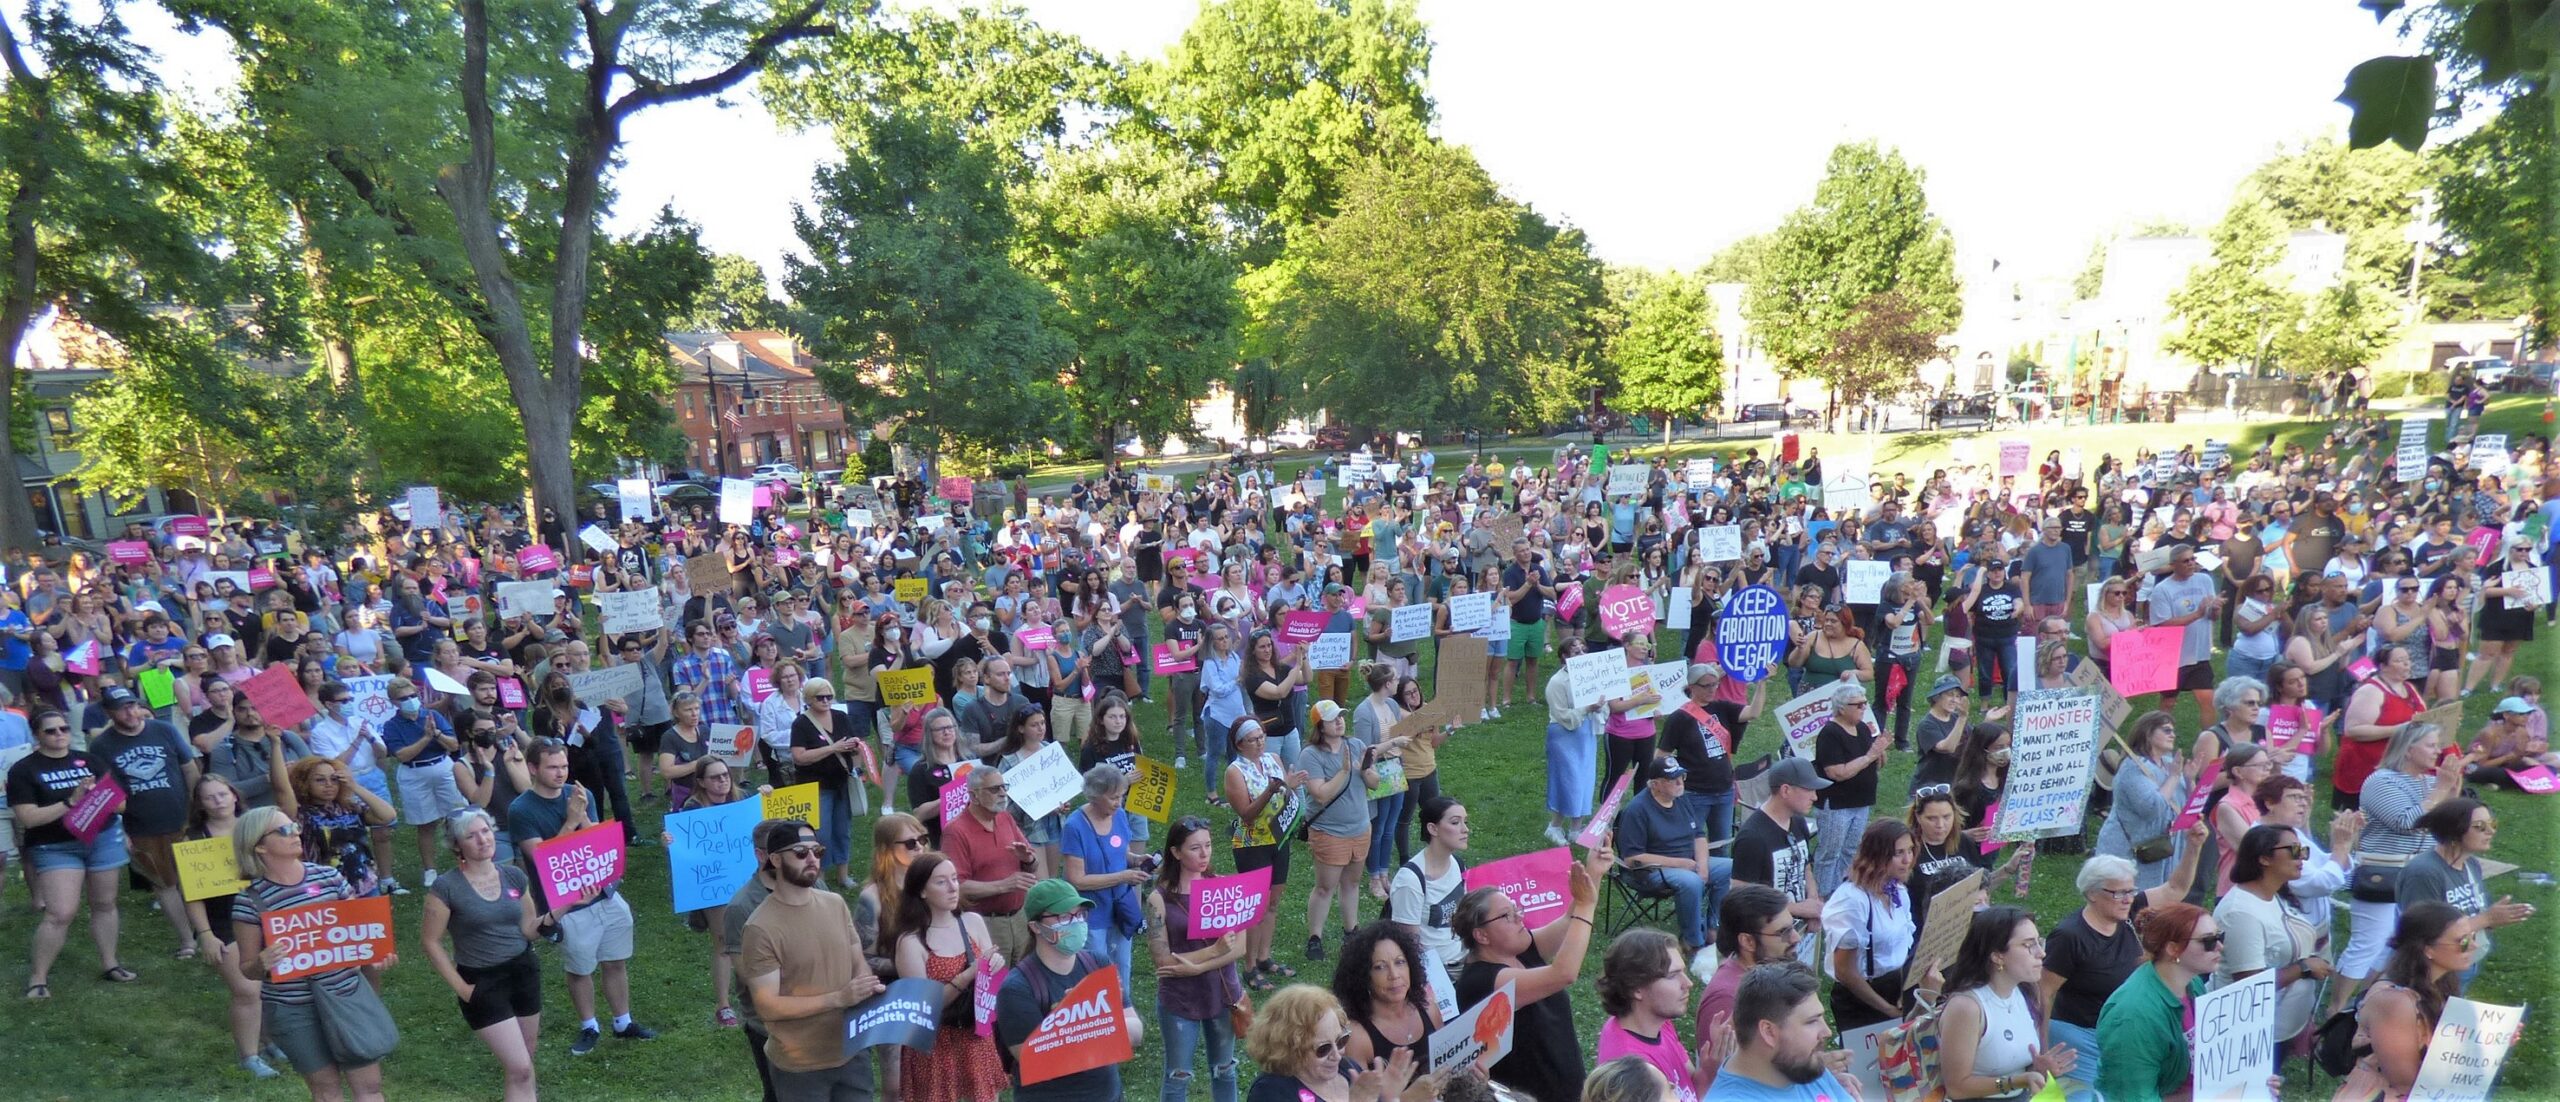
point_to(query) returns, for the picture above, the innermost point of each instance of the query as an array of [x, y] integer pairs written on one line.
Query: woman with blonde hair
[[1300, 1040], [342, 1059], [216, 808]]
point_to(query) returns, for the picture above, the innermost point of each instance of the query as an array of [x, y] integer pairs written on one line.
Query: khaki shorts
[[1338, 852], [156, 856]]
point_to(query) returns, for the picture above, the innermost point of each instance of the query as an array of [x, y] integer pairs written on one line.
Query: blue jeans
[[2082, 1040], [1215, 749], [1714, 812], [1182, 1038], [1111, 945], [1384, 814], [1838, 832], [2241, 665], [835, 824], [1691, 894], [1992, 662]]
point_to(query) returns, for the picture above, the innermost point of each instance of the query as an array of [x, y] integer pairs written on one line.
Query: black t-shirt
[[1837, 745], [1996, 612], [1019, 1008], [2091, 967], [1780, 857], [1828, 577], [1932, 870], [2315, 538], [1532, 605], [151, 765], [830, 771], [1701, 752], [2077, 524], [1936, 766], [1546, 1059], [39, 781]]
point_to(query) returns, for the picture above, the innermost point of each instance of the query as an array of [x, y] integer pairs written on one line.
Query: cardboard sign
[[800, 801], [1045, 781], [1481, 1037], [1597, 676], [1084, 1032], [2014, 457], [1330, 651], [1596, 831], [983, 997], [1297, 629], [537, 559], [2053, 755], [737, 501], [711, 852], [328, 936], [1720, 543], [524, 599], [905, 1015], [1863, 581], [1540, 882], [205, 870], [1462, 692], [909, 686], [575, 862], [1223, 904], [2113, 710], [1802, 718], [1628, 479], [1150, 794], [2145, 660], [1950, 913], [1751, 633], [426, 507], [2232, 1054], [128, 552], [2194, 809], [1624, 609], [277, 693], [2446, 717], [594, 687], [1163, 662], [624, 613], [2471, 1042]]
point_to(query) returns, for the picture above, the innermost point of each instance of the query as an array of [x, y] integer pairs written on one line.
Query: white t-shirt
[[2256, 938], [1854, 920], [2262, 644], [1429, 904], [329, 737]]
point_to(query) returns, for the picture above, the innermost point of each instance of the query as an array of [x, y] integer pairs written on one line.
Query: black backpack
[[1040, 980], [2334, 1046]]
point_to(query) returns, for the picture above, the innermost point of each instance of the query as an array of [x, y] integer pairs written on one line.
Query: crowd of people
[[1126, 616]]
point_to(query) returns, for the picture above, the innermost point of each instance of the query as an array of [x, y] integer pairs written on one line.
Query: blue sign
[[711, 852], [1751, 633]]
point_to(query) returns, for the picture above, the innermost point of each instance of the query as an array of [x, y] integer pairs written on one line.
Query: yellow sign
[[800, 801], [205, 870], [913, 686], [908, 590], [1151, 794]]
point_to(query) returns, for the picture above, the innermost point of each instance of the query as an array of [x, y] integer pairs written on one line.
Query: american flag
[[731, 416]]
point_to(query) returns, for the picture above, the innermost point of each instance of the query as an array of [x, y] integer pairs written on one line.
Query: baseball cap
[[2512, 706], [1336, 587], [1327, 711], [1944, 686], [218, 639], [1797, 772], [1052, 897], [120, 696], [1662, 769]]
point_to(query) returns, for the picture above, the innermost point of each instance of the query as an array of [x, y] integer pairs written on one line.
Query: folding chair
[[1625, 901]]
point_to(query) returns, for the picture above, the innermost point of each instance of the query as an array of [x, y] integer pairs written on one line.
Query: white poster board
[[1330, 651], [524, 599], [639, 502], [2052, 753], [1844, 489], [1628, 479], [627, 612], [737, 501], [2470, 1044], [1044, 782], [2232, 1054], [1469, 612], [1597, 676], [1408, 622], [426, 507], [1720, 542], [1863, 580]]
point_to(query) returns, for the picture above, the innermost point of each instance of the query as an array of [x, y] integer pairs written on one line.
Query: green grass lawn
[[165, 1037]]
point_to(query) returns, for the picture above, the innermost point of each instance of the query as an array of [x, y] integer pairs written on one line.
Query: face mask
[[983, 624], [1188, 612], [2433, 486], [2356, 507], [409, 707], [1071, 936], [2000, 756], [343, 708]]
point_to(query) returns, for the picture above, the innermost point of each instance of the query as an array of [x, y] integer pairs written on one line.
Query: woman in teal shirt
[[2142, 1031]]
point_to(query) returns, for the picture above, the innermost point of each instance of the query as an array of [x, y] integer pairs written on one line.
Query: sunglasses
[[805, 849], [1328, 1049], [1933, 790], [284, 830], [2211, 943], [53, 729]]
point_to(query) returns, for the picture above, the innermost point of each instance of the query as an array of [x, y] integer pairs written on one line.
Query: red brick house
[[753, 397]]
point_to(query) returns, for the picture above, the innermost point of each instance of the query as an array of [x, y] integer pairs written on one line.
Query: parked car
[[1299, 440], [2487, 371], [686, 492], [2530, 378]]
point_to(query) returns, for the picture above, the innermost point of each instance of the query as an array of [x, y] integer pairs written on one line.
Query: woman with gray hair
[[1095, 846], [2094, 949], [2409, 781], [488, 909], [2240, 704]]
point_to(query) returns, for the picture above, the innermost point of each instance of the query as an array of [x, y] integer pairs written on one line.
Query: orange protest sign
[[1086, 1030], [325, 937]]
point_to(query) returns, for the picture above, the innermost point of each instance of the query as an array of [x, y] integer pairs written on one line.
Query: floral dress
[[345, 843], [961, 1064]]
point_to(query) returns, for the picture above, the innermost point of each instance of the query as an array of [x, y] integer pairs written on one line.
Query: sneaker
[[274, 1054], [1315, 947], [1484, 715], [1497, 713], [635, 1032], [586, 1042], [1555, 834], [392, 887], [428, 879], [257, 1067], [725, 1018], [1181, 761]]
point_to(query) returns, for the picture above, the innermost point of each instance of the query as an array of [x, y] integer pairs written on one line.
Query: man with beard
[[1779, 1033], [996, 864], [804, 966]]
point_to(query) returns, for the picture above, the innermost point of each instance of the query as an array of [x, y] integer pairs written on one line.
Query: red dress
[[963, 1067]]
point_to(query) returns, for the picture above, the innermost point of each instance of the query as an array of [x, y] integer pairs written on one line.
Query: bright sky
[[1669, 129]]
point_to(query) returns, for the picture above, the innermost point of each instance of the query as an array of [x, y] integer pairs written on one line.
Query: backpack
[[1039, 980], [1907, 1059], [2335, 1047]]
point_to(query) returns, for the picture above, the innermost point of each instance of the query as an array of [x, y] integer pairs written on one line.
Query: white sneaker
[[1703, 965], [1484, 715], [1181, 762], [1555, 834], [428, 880], [1497, 713]]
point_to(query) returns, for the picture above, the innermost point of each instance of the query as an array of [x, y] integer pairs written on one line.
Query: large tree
[[1868, 232], [2494, 206], [1668, 358], [2232, 308]]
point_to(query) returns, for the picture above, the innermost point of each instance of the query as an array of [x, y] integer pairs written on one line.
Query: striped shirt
[[320, 883], [2392, 802]]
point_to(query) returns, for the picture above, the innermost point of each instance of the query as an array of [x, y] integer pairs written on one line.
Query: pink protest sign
[[1539, 882], [2537, 780], [2294, 727], [2188, 815], [83, 659], [1991, 814], [786, 556], [2145, 661], [89, 814], [2483, 542], [188, 526], [1297, 629], [510, 692], [990, 983], [278, 697], [955, 795], [2361, 668], [536, 559], [1359, 607], [1598, 829], [1221, 905], [261, 578], [957, 488], [1569, 601], [759, 683], [1036, 637], [2013, 457], [1623, 609], [1165, 663], [573, 863], [764, 495], [128, 552]]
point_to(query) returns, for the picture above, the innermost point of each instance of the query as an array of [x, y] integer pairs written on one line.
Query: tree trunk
[[18, 299]]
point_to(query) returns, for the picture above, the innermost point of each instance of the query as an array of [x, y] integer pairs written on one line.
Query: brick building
[[753, 397]]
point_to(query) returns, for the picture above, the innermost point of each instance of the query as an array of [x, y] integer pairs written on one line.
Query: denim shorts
[[104, 853]]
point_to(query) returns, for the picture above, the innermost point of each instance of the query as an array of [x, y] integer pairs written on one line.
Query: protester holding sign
[[43, 787], [1573, 743], [489, 910], [2150, 787], [337, 1051], [2433, 946], [211, 815], [595, 931], [804, 966], [1339, 773], [1540, 966], [826, 748], [1196, 977], [1034, 1001]]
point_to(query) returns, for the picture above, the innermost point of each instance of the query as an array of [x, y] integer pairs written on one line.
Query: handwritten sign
[[1087, 1030], [278, 696], [904, 1015], [2534, 589], [1950, 912], [1045, 781], [1844, 489], [1406, 623], [1538, 882], [800, 801], [1720, 542], [1597, 676], [2145, 660], [1223, 904], [1802, 718], [2014, 457], [2112, 708], [426, 507], [328, 936], [1863, 584], [1625, 609], [1597, 830], [205, 870], [2233, 1052], [159, 687], [1151, 793], [2489, 451], [578, 861], [1481, 1037], [596, 540], [1330, 651], [2052, 757], [1751, 634], [2409, 463], [711, 852], [1470, 612], [1628, 479], [624, 613], [737, 501], [524, 599], [2471, 1042], [594, 687], [906, 687]]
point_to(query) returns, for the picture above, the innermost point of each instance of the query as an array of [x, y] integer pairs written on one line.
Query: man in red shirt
[[996, 863]]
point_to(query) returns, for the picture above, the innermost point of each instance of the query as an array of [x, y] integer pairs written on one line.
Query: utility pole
[[2423, 231]]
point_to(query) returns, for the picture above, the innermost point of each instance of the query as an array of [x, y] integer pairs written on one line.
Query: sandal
[[1258, 982], [39, 992], [118, 974], [187, 951], [1275, 968]]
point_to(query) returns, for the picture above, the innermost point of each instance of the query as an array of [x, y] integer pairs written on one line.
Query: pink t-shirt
[[1663, 1052]]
